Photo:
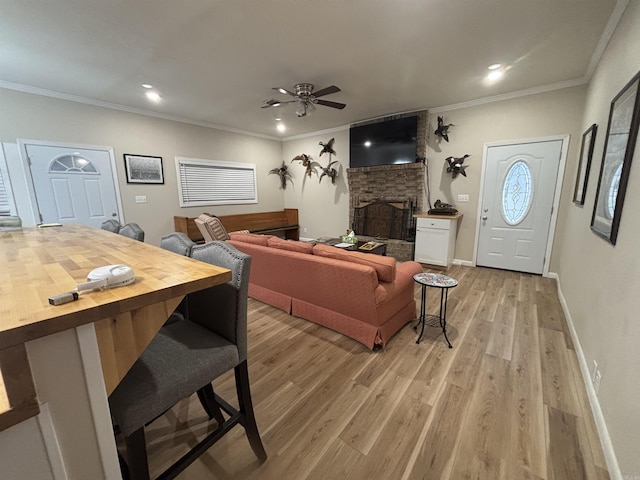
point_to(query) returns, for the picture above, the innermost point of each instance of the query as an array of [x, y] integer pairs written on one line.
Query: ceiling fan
[[306, 97]]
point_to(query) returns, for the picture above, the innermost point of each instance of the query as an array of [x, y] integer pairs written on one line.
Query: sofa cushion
[[251, 238], [291, 245], [385, 267]]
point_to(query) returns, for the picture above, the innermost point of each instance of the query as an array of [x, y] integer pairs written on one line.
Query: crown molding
[[315, 134], [510, 96], [123, 108], [612, 24]]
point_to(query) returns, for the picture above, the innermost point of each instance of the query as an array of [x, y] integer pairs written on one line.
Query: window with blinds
[[211, 182], [6, 197]]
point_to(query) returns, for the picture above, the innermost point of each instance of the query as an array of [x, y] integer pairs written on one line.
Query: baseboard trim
[[601, 425], [464, 263]]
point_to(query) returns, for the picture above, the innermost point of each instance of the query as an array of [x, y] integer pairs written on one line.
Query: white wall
[[36, 117], [323, 208], [600, 281]]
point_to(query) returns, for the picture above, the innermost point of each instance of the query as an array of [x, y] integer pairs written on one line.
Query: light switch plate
[[463, 198], [141, 199]]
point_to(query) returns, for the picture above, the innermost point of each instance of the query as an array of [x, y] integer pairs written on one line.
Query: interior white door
[[517, 202], [73, 185]]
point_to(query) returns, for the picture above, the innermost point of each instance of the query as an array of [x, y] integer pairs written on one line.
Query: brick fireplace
[[402, 185]]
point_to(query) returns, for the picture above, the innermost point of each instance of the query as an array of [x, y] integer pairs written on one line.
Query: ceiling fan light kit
[[306, 98]]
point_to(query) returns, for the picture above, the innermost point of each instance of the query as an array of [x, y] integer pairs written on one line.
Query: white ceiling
[[214, 61]]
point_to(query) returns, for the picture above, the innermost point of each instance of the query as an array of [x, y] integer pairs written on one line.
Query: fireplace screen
[[385, 219]]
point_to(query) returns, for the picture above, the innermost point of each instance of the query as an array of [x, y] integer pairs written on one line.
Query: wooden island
[[59, 363]]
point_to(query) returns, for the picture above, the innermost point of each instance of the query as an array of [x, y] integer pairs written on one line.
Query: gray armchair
[[132, 230], [111, 225], [184, 357], [177, 242]]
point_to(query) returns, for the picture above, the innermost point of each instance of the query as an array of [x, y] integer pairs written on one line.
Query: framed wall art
[[620, 142], [584, 164], [143, 169]]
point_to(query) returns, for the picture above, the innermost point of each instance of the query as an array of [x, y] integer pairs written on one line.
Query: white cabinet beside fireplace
[[436, 239]]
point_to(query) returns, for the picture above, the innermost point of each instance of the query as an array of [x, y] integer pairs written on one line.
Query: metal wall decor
[[329, 171], [456, 166], [307, 162], [622, 132], [443, 130], [584, 164], [283, 173]]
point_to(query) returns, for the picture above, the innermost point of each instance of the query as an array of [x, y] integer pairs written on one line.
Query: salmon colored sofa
[[363, 296]]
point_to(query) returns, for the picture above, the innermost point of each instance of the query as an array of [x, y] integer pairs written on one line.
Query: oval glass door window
[[517, 193]]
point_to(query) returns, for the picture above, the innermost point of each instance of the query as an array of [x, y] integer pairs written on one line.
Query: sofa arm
[[406, 270]]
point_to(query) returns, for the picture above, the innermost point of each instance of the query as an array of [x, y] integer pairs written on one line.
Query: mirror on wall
[[622, 131]]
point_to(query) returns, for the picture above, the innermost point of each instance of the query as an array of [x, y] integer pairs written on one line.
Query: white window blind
[[6, 197], [211, 182]]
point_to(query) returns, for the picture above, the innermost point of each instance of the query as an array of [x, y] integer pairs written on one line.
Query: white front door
[[72, 185], [516, 205]]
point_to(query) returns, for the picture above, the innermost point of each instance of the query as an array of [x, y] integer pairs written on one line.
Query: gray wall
[[600, 281], [545, 114], [36, 117], [323, 207]]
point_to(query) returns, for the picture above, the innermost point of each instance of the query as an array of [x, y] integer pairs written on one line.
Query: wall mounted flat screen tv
[[384, 143]]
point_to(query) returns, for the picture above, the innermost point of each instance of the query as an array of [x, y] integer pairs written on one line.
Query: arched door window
[[517, 193], [71, 164]]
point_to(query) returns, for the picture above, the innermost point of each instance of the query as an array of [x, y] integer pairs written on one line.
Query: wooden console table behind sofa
[[283, 221]]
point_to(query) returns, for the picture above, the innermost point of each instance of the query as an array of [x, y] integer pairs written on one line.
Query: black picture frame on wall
[[143, 169], [620, 142], [584, 164]]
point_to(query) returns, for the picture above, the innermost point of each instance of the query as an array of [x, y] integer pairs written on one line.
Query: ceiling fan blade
[[327, 103], [284, 90], [276, 103], [326, 91]]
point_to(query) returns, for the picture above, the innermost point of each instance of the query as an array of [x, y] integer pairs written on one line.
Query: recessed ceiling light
[[278, 119], [280, 127], [495, 66], [146, 85], [153, 96], [367, 144], [495, 75]]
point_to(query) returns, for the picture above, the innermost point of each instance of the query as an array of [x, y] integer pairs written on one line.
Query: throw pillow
[[291, 245], [385, 267], [251, 238], [214, 227]]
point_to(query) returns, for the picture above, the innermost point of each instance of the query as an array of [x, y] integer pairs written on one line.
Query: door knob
[[114, 214], [486, 210], [484, 217]]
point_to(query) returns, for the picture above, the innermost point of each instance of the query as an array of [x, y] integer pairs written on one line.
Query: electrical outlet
[[141, 199], [463, 198], [304, 230]]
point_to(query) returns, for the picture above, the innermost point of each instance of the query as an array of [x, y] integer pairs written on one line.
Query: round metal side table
[[444, 283]]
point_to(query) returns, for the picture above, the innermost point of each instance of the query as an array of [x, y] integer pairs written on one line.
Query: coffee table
[[379, 250]]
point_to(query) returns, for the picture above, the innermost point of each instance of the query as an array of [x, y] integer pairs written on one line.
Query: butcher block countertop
[[37, 263]]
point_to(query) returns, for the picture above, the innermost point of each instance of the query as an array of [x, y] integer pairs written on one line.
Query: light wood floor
[[507, 402]]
